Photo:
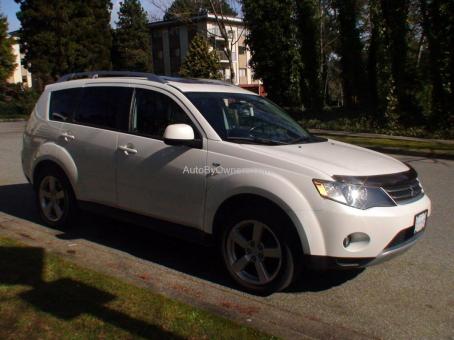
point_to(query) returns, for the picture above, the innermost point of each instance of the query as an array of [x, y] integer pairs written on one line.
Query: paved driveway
[[409, 297]]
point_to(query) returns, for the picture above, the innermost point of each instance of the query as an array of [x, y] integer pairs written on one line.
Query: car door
[[91, 139], [153, 178]]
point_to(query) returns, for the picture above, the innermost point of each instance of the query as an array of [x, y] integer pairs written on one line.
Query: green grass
[[397, 143], [43, 296]]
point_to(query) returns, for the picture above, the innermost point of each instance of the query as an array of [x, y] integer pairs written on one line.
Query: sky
[[10, 8]]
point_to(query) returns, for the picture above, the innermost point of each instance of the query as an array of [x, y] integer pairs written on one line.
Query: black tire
[[280, 228], [68, 205]]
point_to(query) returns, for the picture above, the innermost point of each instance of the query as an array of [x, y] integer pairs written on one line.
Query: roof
[[181, 84], [208, 16]]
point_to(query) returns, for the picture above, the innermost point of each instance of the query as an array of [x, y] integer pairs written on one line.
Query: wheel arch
[[239, 201], [53, 155]]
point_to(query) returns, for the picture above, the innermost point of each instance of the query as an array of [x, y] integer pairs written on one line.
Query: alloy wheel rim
[[52, 198], [254, 252]]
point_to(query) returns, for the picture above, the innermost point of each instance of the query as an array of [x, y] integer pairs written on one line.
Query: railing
[[222, 55]]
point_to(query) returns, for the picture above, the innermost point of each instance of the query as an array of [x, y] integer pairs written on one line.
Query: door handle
[[67, 136], [127, 149]]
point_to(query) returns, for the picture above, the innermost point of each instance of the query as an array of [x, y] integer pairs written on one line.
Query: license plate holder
[[420, 221]]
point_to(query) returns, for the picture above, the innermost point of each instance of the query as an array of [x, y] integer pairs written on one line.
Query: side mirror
[[181, 134]]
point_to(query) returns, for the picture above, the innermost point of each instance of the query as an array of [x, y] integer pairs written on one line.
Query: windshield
[[247, 118]]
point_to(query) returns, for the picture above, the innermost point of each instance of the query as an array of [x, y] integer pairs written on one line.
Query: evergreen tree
[[200, 62], [309, 34], [131, 44], [396, 29], [65, 36], [350, 50], [7, 59], [184, 9], [272, 40], [378, 68], [438, 17], [91, 23]]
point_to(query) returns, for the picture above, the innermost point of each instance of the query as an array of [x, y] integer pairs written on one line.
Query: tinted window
[[154, 111], [63, 104], [106, 107], [242, 117]]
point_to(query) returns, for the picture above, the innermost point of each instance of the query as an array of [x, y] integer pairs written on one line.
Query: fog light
[[356, 241]]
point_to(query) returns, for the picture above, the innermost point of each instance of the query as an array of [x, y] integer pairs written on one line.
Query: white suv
[[206, 160]]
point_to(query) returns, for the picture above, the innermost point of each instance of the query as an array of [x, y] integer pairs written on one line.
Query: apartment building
[[170, 41], [20, 75]]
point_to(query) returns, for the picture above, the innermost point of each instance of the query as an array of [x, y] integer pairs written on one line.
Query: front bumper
[[379, 226], [391, 251]]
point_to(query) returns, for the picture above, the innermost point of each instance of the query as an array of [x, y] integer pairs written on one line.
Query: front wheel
[[257, 253]]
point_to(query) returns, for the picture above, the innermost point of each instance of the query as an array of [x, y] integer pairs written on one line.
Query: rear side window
[[154, 111], [63, 104], [105, 107]]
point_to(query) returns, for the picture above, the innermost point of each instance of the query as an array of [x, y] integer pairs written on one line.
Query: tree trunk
[[395, 17], [431, 22], [310, 51], [353, 75]]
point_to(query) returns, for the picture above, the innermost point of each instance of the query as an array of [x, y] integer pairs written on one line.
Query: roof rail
[[197, 80], [104, 74], [218, 81]]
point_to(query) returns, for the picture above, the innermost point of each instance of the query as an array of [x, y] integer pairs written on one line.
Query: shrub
[[15, 101]]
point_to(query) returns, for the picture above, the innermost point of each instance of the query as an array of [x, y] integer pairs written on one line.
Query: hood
[[334, 158]]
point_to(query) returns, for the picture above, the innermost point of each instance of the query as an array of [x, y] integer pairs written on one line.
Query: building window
[[242, 72], [214, 31], [226, 74], [231, 35], [242, 49], [177, 52]]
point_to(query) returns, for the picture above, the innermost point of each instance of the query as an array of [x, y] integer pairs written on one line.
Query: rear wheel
[[55, 198], [257, 251]]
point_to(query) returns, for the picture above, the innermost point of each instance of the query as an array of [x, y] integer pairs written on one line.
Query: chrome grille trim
[[403, 193]]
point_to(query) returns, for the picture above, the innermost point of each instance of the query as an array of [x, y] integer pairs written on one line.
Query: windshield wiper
[[255, 140], [308, 139]]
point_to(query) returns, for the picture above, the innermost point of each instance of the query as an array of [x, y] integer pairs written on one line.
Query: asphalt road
[[409, 297]]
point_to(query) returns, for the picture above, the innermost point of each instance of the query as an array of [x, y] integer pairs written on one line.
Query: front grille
[[405, 192]]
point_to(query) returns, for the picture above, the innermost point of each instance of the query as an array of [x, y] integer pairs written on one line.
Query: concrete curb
[[426, 153], [12, 120], [412, 152], [378, 135]]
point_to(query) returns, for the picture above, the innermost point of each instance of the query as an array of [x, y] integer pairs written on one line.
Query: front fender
[[271, 186], [55, 153]]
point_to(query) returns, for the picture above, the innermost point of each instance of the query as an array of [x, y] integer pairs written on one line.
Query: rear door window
[[63, 104], [105, 107]]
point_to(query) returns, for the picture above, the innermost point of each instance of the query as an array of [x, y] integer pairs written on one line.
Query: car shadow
[[189, 258], [66, 298]]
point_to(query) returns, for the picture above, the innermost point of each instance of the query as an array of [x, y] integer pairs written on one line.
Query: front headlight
[[353, 195]]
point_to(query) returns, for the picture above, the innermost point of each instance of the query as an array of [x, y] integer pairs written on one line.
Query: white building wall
[[20, 73]]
